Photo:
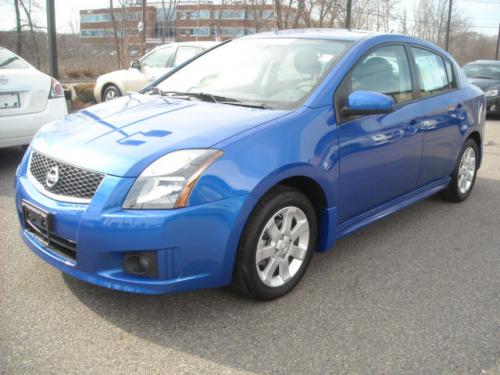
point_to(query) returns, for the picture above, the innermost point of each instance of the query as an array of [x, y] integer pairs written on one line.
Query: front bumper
[[195, 246], [493, 105]]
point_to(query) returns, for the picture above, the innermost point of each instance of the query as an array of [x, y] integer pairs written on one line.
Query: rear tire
[[110, 92], [276, 245], [464, 174]]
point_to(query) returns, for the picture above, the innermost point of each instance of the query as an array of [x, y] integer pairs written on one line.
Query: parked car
[[236, 167], [151, 66], [28, 100], [486, 75]]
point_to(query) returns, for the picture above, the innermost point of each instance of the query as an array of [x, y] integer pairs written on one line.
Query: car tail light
[[56, 89]]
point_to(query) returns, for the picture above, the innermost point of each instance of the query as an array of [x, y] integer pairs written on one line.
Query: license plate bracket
[[37, 221]]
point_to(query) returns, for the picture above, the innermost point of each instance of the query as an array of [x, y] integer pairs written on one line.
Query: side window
[[385, 70], [158, 58], [450, 73], [431, 72], [185, 53]]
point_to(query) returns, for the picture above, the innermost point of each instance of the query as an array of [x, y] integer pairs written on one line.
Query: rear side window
[[431, 71], [8, 60], [185, 53], [450, 73], [158, 58], [385, 70]]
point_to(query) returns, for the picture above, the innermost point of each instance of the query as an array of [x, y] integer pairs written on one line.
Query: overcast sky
[[484, 15]]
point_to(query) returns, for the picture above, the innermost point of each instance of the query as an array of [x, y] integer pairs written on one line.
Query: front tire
[[110, 92], [464, 174], [277, 244]]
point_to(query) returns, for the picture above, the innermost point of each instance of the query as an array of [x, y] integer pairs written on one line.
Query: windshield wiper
[[215, 99], [247, 104], [199, 95]]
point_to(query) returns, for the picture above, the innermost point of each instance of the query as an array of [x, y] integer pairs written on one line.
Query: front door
[[379, 154]]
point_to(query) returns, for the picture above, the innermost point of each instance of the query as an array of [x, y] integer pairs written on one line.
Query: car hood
[[123, 136], [484, 83]]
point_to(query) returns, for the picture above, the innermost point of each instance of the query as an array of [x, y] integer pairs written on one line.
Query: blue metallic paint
[[366, 168], [369, 101]]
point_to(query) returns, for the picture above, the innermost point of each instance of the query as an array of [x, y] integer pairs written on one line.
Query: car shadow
[[9, 160], [343, 311]]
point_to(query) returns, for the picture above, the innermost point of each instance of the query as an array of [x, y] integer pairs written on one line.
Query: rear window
[[9, 60], [431, 71]]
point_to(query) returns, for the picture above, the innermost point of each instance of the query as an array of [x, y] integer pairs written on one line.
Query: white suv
[[150, 67]]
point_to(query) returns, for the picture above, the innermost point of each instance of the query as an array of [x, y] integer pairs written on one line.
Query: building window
[[233, 14], [87, 18], [96, 32], [203, 14], [267, 14], [194, 31], [200, 31], [232, 31], [181, 15], [250, 30], [260, 15]]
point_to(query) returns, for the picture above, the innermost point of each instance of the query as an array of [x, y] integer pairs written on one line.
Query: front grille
[[72, 182], [55, 243]]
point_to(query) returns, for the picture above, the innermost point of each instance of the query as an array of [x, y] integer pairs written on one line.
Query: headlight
[[168, 182], [491, 92]]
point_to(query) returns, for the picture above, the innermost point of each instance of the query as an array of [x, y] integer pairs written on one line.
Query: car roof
[[205, 44], [324, 33], [484, 62]]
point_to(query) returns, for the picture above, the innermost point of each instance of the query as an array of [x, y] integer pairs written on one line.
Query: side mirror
[[136, 64], [368, 103]]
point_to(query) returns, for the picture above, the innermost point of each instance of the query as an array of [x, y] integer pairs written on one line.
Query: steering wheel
[[304, 86]]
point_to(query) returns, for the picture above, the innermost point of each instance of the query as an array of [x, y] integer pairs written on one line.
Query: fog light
[[140, 264]]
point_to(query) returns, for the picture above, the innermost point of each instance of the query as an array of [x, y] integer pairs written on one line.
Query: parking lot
[[418, 292]]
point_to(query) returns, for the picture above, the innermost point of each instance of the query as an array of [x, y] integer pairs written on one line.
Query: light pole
[[51, 36], [448, 27]]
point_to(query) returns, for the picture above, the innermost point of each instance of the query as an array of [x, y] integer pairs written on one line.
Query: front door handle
[[413, 126]]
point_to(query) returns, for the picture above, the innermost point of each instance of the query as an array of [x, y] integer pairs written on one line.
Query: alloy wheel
[[282, 246], [466, 170]]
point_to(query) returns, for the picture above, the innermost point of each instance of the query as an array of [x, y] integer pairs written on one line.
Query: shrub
[[84, 92], [73, 74], [88, 72]]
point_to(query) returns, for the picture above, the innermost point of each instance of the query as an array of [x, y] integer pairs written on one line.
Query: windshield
[[270, 72], [8, 60], [482, 71]]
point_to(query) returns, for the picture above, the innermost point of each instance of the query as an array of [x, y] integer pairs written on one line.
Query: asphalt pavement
[[415, 293]]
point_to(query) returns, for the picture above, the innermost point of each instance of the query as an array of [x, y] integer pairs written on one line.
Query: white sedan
[[28, 100], [151, 66]]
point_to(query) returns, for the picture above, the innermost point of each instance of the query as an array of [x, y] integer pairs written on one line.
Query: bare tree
[[168, 13], [28, 6], [18, 28], [115, 35]]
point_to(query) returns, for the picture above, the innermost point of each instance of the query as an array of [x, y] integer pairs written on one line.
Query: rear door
[[443, 113], [379, 154]]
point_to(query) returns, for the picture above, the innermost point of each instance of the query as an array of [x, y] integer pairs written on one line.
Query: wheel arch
[[306, 179], [476, 137], [106, 85]]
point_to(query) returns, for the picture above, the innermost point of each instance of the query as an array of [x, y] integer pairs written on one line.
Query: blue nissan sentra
[[235, 167]]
